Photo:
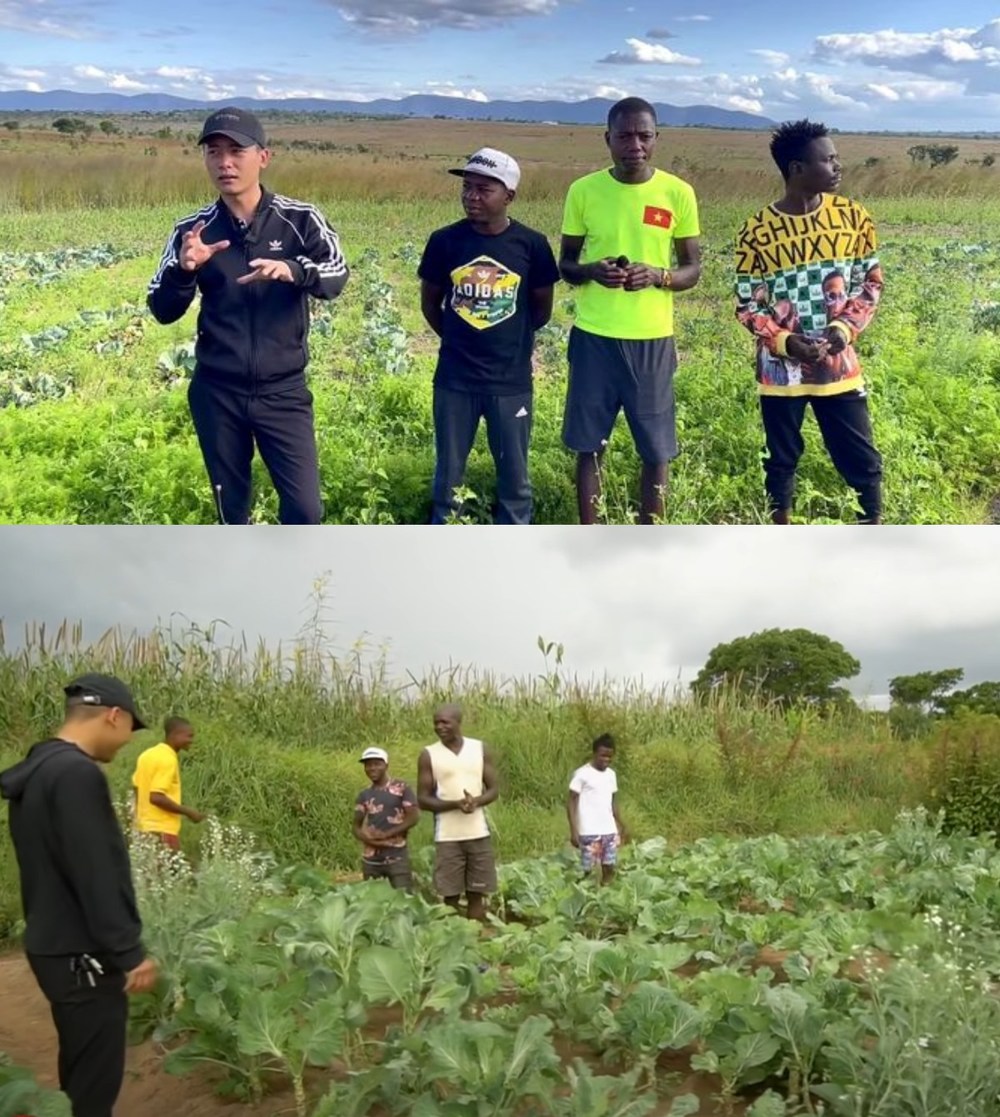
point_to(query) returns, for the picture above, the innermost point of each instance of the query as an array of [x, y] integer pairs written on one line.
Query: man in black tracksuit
[[255, 257], [83, 936]]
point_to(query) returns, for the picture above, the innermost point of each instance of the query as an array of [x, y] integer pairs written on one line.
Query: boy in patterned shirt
[[383, 814], [808, 281]]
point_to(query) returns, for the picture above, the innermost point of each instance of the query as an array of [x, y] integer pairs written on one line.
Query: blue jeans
[[508, 430]]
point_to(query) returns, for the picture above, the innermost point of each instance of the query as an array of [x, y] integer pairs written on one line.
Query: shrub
[[965, 773]]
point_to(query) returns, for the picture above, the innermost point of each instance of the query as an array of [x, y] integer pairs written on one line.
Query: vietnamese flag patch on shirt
[[653, 215]]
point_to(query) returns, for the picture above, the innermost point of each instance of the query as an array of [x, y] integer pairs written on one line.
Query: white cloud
[[884, 91], [449, 89], [882, 47], [91, 73], [188, 73], [967, 54], [776, 58], [693, 19], [11, 80], [817, 88], [768, 94], [21, 72], [915, 91], [606, 93], [43, 17], [822, 88], [280, 93], [744, 104], [121, 81], [642, 53], [402, 16]]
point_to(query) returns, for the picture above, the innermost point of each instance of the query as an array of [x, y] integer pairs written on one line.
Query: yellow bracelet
[[666, 278]]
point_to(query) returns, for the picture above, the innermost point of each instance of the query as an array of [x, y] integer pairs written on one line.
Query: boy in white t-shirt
[[595, 826]]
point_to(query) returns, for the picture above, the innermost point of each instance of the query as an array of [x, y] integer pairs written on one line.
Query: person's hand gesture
[[608, 272], [143, 977], [807, 349], [640, 276], [194, 251], [268, 269], [836, 338]]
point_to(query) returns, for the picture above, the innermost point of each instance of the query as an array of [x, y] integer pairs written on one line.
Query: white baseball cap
[[374, 754], [493, 164]]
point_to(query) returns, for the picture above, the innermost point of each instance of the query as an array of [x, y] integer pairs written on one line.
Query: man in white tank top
[[456, 779]]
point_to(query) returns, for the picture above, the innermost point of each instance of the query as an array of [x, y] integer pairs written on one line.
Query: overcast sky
[[896, 64], [623, 601]]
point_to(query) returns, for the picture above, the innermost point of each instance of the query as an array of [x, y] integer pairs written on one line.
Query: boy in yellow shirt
[[157, 785]]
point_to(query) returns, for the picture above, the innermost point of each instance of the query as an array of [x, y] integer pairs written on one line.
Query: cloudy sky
[[897, 64], [625, 602]]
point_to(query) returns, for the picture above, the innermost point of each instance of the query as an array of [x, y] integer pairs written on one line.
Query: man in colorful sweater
[[808, 281]]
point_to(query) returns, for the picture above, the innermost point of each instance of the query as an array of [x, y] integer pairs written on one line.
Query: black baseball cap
[[239, 125], [103, 690]]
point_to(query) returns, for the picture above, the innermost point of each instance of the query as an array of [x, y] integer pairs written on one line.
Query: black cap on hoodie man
[[83, 935]]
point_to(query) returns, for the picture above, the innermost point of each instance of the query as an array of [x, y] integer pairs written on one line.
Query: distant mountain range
[[592, 111]]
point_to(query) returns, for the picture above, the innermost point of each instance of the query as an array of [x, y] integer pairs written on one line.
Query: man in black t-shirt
[[486, 287]]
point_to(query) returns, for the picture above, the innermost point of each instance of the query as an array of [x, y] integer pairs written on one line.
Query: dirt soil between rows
[[28, 1036]]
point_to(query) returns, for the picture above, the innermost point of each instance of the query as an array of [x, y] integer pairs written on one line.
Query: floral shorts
[[598, 849]]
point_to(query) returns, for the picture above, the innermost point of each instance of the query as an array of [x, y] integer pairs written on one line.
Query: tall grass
[[397, 160], [308, 696], [279, 730]]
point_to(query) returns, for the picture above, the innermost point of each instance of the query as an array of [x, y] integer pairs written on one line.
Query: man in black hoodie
[[83, 936], [256, 257]]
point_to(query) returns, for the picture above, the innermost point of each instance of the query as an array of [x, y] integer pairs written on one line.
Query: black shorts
[[607, 375]]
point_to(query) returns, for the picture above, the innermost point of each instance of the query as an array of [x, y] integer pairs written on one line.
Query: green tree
[[69, 124], [789, 666], [938, 155], [108, 127], [941, 155], [926, 689], [983, 698]]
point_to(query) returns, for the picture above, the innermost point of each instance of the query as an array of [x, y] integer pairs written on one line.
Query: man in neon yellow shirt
[[157, 785], [622, 229]]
